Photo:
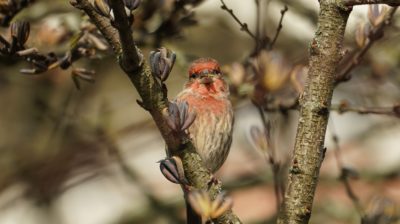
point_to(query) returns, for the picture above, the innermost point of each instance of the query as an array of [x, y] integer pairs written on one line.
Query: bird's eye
[[194, 75]]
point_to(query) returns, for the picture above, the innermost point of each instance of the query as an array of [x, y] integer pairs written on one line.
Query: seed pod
[[172, 116], [20, 31], [161, 62], [172, 169], [186, 117], [102, 7]]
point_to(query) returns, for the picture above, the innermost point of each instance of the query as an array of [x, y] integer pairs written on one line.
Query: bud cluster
[[172, 169], [179, 118], [365, 32], [161, 62]]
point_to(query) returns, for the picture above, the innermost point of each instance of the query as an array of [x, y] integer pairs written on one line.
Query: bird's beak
[[206, 79]]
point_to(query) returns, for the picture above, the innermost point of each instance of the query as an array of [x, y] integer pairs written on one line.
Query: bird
[[207, 95]]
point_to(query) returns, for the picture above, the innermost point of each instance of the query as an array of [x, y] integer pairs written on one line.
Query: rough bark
[[309, 149]]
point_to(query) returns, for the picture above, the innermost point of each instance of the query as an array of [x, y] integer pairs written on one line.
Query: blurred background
[[89, 155]]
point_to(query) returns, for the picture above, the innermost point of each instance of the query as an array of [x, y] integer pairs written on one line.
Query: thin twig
[[389, 111], [258, 21], [344, 176], [365, 2], [272, 158], [374, 35], [243, 26], [133, 176], [279, 28]]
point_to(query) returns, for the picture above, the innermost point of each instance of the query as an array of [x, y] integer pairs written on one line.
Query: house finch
[[207, 94]]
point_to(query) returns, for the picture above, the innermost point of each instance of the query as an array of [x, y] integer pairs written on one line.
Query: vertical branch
[[314, 103]]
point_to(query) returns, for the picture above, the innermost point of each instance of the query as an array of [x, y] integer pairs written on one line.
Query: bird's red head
[[204, 66], [205, 76]]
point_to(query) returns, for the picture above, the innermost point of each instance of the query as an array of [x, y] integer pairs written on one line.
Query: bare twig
[[243, 26], [258, 21], [365, 2], [344, 175], [132, 175], [279, 28], [275, 166], [374, 35], [390, 111]]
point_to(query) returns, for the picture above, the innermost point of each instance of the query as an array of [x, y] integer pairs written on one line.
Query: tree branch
[[345, 173], [314, 103], [243, 26], [373, 35], [279, 28], [154, 98], [390, 111], [365, 2], [131, 58]]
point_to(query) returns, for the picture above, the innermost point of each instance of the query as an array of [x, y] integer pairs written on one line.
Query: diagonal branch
[[154, 97], [279, 28], [314, 104], [373, 35], [131, 58], [243, 26]]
